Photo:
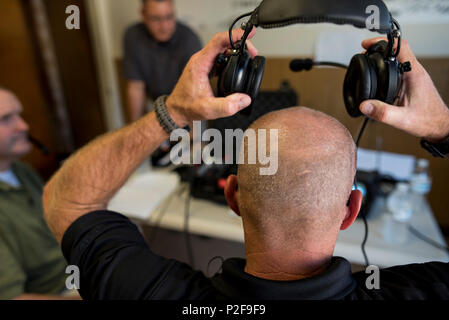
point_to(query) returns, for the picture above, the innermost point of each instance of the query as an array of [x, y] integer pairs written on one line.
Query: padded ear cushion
[[381, 69], [360, 84], [234, 76], [388, 77], [241, 72], [254, 80], [255, 76], [226, 77], [394, 83]]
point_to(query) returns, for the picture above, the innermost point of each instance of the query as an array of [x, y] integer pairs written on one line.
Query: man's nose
[[21, 125], [166, 25]]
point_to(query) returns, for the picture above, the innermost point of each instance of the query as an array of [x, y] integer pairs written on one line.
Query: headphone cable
[[426, 239], [187, 234], [331, 64], [365, 222], [232, 27]]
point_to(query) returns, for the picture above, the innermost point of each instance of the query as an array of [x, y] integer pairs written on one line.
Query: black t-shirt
[[115, 262], [159, 65]]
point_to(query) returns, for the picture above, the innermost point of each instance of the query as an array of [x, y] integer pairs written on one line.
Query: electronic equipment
[[208, 181], [369, 184]]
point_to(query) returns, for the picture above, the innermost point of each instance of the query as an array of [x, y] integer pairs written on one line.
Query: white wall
[[429, 37], [100, 29]]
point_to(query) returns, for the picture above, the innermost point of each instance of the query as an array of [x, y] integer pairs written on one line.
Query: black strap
[[437, 150], [163, 116], [279, 13]]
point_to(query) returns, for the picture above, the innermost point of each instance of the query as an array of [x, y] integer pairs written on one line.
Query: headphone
[[238, 72], [376, 74]]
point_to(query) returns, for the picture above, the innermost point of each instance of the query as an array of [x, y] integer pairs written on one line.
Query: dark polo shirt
[[159, 65], [116, 263]]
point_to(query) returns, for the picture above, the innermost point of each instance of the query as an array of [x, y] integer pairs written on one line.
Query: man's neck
[[287, 264]]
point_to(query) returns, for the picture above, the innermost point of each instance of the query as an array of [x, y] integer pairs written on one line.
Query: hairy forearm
[[90, 178]]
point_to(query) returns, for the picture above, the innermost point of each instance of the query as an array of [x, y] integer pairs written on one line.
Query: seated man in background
[[291, 219], [155, 53], [31, 262]]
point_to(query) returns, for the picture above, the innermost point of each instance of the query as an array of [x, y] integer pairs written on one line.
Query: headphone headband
[[281, 13]]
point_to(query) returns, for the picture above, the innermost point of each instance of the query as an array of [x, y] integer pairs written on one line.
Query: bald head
[[316, 168]]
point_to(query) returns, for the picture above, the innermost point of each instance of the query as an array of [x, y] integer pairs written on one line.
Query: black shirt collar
[[335, 283]]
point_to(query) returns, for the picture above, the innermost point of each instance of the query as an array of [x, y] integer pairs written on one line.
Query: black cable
[[43, 148], [186, 221], [426, 239], [398, 28], [365, 222], [213, 259], [232, 27], [362, 130], [157, 224], [365, 238], [331, 64]]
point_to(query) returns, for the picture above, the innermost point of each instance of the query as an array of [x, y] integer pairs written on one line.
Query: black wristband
[[163, 116], [439, 150]]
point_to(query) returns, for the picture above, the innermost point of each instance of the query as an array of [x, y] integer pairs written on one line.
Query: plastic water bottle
[[421, 183], [400, 207], [399, 203]]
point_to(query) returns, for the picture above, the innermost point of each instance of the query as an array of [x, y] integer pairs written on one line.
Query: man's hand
[[420, 111], [193, 98]]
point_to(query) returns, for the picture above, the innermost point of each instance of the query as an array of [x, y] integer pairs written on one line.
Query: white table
[[217, 221]]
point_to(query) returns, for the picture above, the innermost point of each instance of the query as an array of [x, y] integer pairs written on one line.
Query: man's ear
[[231, 193], [353, 209]]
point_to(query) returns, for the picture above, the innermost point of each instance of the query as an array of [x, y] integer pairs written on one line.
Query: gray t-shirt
[[159, 65]]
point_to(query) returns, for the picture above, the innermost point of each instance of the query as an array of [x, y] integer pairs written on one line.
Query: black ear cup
[[241, 74], [360, 84], [254, 80], [388, 78], [372, 75], [233, 77], [392, 88]]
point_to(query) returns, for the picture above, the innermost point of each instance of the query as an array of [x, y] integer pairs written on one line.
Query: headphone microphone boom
[[39, 145], [297, 65]]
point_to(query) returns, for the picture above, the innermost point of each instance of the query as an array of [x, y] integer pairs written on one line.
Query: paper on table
[[143, 193], [398, 166]]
